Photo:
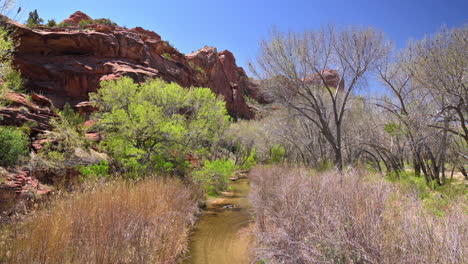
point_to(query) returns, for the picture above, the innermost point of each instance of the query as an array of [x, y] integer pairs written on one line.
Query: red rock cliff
[[65, 64]]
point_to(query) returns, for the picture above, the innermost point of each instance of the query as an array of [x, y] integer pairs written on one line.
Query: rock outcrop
[[65, 64], [20, 185], [331, 78], [35, 112]]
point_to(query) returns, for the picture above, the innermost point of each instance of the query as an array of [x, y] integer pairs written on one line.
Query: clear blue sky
[[238, 25]]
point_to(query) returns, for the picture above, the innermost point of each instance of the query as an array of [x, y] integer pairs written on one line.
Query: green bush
[[154, 125], [277, 153], [250, 161], [71, 117], [14, 145], [63, 24], [13, 80], [167, 56], [214, 176], [51, 23], [100, 170], [105, 21]]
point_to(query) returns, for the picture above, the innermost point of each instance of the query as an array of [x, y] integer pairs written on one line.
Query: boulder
[[85, 108], [20, 185]]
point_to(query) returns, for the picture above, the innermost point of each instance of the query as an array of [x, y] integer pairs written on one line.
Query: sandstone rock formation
[[35, 112], [75, 18], [20, 185], [330, 77], [65, 64]]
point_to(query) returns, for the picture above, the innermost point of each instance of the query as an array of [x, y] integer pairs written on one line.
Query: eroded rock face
[[20, 185], [20, 110], [65, 64]]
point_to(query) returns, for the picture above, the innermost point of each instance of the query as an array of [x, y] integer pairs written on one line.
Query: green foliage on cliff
[[14, 145], [11, 78], [154, 125], [34, 20]]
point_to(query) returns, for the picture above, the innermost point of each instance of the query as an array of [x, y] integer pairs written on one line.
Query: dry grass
[[303, 217], [121, 222]]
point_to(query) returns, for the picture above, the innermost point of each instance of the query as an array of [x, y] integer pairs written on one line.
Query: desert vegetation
[[112, 222], [366, 179], [303, 216]]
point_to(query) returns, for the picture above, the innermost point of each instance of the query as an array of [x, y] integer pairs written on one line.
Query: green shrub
[[250, 162], [167, 56], [64, 24], [51, 23], [277, 153], [13, 80], [100, 170], [84, 23], [14, 145], [71, 117], [196, 67], [214, 176], [105, 21]]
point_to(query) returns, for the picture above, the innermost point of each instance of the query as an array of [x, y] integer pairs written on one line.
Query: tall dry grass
[[302, 217], [121, 222]]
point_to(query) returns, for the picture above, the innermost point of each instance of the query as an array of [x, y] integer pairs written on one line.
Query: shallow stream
[[221, 235]]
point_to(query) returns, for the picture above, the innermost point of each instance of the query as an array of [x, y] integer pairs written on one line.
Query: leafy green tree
[[34, 20], [153, 125], [14, 144]]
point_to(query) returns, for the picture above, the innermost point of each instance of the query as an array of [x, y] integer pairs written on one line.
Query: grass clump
[[118, 222]]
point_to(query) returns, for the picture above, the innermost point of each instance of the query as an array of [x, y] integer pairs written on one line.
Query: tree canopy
[[154, 125]]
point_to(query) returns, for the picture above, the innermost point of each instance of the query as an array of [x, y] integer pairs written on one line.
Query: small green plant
[[196, 67], [277, 153], [214, 175], [250, 162], [51, 23], [100, 170], [105, 21], [167, 56], [84, 23], [14, 145], [64, 24]]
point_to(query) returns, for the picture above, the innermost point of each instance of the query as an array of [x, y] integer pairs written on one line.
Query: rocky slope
[[65, 64]]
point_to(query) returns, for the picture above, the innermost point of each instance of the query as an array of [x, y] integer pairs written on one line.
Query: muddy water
[[221, 235]]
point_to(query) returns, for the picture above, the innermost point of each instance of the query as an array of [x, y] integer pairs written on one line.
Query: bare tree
[[288, 62], [439, 66]]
